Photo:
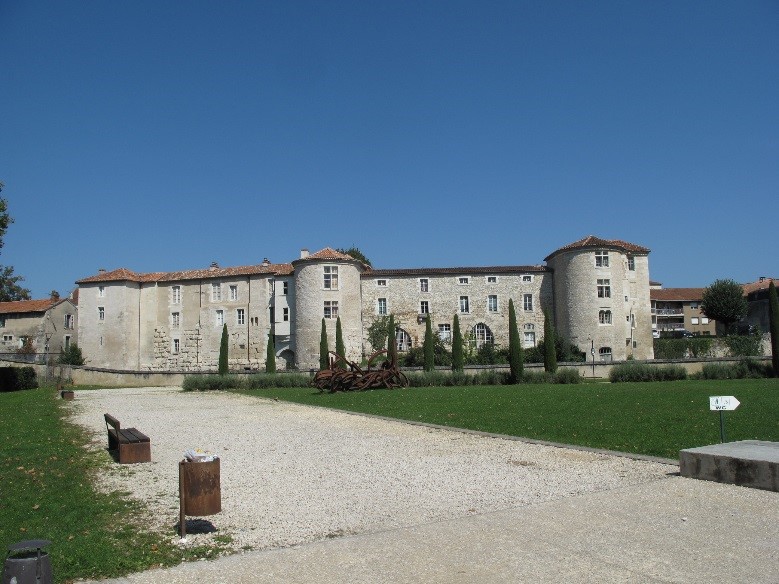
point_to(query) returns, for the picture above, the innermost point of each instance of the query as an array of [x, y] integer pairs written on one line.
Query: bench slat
[[134, 435]]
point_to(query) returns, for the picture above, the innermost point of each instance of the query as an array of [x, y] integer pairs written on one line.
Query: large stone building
[[50, 324], [596, 290]]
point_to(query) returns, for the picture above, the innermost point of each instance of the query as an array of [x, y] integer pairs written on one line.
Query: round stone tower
[[327, 285], [601, 293]]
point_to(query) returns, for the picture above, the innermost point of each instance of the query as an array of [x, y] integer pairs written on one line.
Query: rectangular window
[[464, 305], [463, 280], [101, 291], [175, 320], [285, 314], [382, 283], [285, 287], [530, 339], [382, 306], [694, 320], [220, 317], [175, 295], [693, 306], [68, 321], [527, 301], [492, 303], [240, 316], [67, 342], [424, 307], [424, 285], [8, 338], [631, 263], [492, 279], [445, 331], [704, 320], [602, 259], [216, 292], [100, 313], [330, 278], [233, 292], [527, 278], [604, 288], [176, 346], [331, 309]]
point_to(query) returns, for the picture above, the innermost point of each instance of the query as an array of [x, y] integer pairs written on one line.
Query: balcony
[[669, 311]]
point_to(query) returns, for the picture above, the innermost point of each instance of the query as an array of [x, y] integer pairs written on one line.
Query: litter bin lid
[[30, 544]]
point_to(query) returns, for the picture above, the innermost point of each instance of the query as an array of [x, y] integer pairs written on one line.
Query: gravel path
[[292, 474]]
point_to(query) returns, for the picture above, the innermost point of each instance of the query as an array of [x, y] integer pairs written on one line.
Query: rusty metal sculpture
[[353, 378]]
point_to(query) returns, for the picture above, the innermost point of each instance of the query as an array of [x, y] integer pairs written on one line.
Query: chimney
[[265, 261], [213, 266], [101, 270], [303, 253], [762, 278]]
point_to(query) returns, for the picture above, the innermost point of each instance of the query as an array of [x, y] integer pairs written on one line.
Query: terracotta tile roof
[[759, 285], [121, 275], [456, 271], [125, 275], [328, 253], [596, 242], [21, 306], [677, 294]]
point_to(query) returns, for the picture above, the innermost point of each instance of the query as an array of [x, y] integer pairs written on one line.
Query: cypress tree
[[223, 352], [457, 346], [773, 316], [550, 350], [340, 349], [324, 357], [516, 357], [270, 356], [392, 347], [429, 346]]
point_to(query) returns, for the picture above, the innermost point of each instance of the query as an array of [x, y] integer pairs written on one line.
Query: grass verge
[[47, 493], [655, 418]]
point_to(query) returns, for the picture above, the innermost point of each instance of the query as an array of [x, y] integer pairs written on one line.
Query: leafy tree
[[724, 302], [340, 349], [516, 364], [392, 346], [377, 333], [550, 347], [71, 356], [429, 345], [457, 346], [10, 289], [324, 350], [773, 315], [223, 368], [270, 356], [26, 348], [356, 254]]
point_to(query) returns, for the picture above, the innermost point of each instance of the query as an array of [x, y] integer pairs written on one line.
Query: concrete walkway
[[670, 530]]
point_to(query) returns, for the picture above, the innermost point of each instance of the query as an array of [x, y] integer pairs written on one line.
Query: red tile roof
[[596, 242], [125, 275], [21, 306], [677, 294], [456, 271], [759, 285]]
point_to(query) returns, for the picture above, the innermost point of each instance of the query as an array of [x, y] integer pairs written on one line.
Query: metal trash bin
[[200, 490], [26, 563]]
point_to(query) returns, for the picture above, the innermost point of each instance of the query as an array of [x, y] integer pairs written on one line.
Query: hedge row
[[17, 378]]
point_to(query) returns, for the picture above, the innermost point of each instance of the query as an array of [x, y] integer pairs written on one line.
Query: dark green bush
[[744, 369], [71, 356], [256, 381], [644, 372], [744, 345], [489, 377], [17, 378]]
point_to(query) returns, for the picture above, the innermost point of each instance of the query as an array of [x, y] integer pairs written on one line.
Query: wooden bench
[[132, 445]]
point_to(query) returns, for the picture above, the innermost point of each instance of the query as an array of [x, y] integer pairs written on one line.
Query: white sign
[[723, 403]]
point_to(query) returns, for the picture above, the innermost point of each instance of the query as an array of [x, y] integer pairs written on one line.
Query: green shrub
[[644, 372], [744, 345], [254, 381], [17, 378], [71, 356], [567, 376], [744, 369]]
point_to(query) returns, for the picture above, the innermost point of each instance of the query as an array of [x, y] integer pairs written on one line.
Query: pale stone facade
[[174, 321], [50, 324]]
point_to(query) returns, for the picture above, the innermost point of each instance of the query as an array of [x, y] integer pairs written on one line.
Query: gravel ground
[[292, 474]]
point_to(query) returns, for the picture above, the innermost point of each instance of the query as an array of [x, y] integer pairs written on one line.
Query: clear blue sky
[[158, 135]]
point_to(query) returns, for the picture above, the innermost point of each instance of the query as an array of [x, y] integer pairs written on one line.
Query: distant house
[[757, 303], [677, 309], [50, 324]]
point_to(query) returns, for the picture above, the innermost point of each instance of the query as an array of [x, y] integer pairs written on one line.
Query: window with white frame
[[694, 320], [527, 302], [69, 321], [101, 313], [604, 317], [482, 335], [176, 346], [402, 340], [240, 316], [220, 317], [330, 281], [175, 295], [704, 320], [285, 314], [381, 306], [285, 288], [331, 309], [463, 280], [492, 303], [605, 353], [424, 285], [216, 292], [631, 263], [693, 306], [604, 288], [445, 332], [527, 278], [424, 307], [381, 283], [233, 292], [464, 305], [101, 291], [602, 259], [175, 319], [492, 279], [529, 334]]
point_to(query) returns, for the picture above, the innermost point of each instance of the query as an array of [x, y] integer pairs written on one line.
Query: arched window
[[604, 317], [605, 353], [402, 340], [529, 335], [482, 335]]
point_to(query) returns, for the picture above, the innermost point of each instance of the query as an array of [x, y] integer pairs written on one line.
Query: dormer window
[[601, 259]]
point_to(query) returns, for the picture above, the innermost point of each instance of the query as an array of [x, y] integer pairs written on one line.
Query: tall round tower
[[327, 285], [601, 292]]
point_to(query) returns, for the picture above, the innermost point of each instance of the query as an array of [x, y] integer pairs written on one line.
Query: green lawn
[[46, 493], [656, 419]]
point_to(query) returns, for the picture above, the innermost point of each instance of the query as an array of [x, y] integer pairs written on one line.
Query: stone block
[[748, 463]]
